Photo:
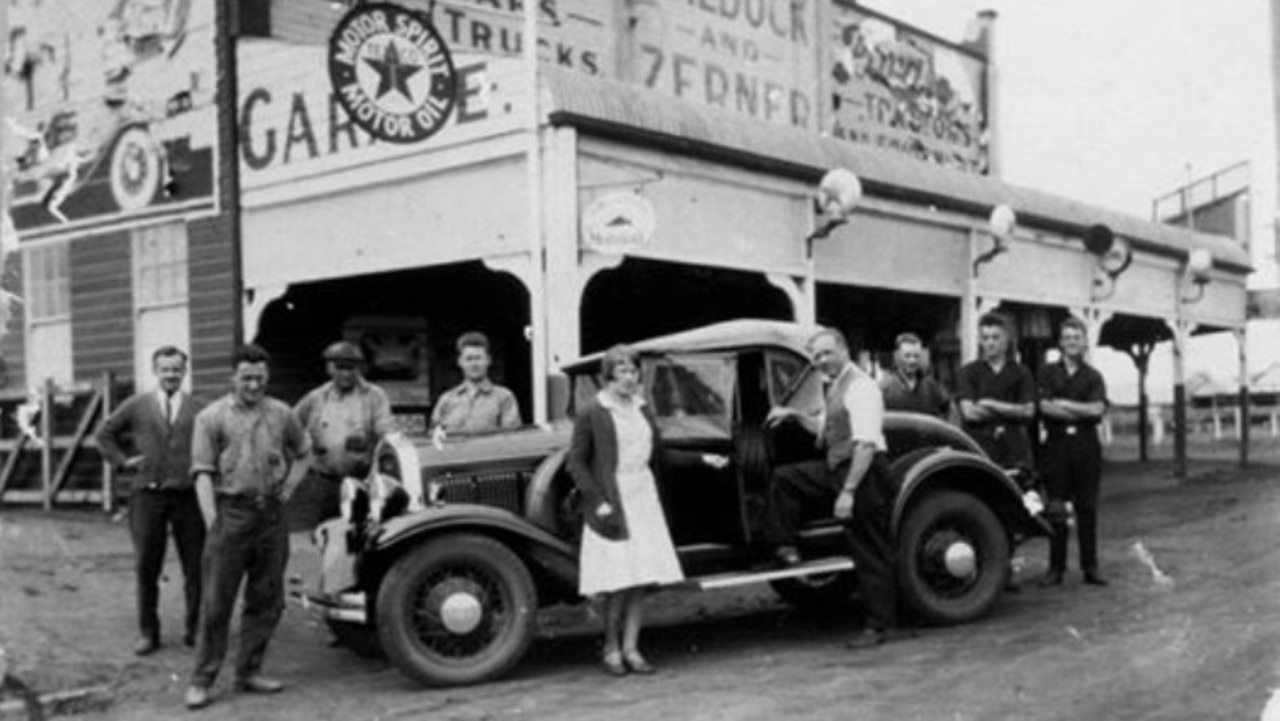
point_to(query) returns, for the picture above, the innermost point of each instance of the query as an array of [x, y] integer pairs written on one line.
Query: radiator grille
[[501, 490]]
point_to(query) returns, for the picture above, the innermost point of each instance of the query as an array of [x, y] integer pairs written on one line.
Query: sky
[[1117, 102]]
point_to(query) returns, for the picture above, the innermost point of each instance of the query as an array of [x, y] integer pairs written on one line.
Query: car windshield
[[786, 373], [805, 391], [692, 395]]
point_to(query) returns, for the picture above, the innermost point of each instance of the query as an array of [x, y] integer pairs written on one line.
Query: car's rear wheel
[[822, 592], [460, 609], [953, 557]]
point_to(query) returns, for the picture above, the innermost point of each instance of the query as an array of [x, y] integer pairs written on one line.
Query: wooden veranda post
[[108, 471]]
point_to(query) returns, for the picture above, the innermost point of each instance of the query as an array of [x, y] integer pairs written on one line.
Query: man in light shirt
[[477, 404], [345, 418], [851, 482]]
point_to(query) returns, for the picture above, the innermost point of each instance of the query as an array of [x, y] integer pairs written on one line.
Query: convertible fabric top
[[720, 336]]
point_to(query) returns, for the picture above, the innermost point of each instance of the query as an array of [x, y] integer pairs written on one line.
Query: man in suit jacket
[[149, 435]]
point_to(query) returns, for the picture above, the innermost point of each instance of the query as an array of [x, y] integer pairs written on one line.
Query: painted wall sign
[[573, 34], [293, 125], [894, 88], [618, 222], [392, 72], [108, 112], [753, 57]]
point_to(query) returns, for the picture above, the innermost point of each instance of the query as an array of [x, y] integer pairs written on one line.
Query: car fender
[[555, 556], [539, 500], [969, 472]]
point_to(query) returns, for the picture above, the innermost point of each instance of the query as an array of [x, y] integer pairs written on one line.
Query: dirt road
[[1189, 629]]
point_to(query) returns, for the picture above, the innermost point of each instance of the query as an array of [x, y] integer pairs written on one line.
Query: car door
[[694, 400]]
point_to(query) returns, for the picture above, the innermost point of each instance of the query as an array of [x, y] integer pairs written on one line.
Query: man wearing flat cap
[[344, 418]]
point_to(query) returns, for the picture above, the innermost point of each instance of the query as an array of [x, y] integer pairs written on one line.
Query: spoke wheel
[[459, 609]]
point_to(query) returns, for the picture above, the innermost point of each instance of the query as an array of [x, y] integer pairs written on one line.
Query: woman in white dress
[[626, 547]]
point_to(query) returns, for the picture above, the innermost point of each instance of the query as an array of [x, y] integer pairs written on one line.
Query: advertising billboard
[[109, 112], [894, 87]]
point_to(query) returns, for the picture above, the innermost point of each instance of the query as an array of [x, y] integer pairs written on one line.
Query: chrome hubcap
[[461, 613], [960, 560]]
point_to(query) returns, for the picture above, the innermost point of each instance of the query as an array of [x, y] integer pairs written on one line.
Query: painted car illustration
[[444, 554], [106, 114]]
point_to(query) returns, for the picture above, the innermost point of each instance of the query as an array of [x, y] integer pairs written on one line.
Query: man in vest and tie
[[851, 481], [149, 436]]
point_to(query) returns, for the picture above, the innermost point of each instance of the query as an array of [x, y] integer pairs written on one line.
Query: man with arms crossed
[[997, 396], [1073, 398], [157, 427], [997, 401], [851, 481], [244, 448]]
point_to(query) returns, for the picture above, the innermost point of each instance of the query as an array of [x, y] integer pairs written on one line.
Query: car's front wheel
[[459, 609], [953, 557]]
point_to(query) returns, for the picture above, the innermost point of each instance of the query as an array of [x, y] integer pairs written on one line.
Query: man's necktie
[[168, 408]]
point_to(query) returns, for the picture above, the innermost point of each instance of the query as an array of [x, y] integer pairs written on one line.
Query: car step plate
[[808, 568]]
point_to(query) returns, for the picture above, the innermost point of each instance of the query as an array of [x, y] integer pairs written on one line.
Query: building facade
[[400, 179]]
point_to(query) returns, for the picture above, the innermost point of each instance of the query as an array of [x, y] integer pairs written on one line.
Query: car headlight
[[387, 497], [353, 500]]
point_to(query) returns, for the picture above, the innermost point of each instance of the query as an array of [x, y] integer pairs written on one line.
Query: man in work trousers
[[852, 480], [344, 418], [243, 451], [997, 401], [1073, 398], [156, 428]]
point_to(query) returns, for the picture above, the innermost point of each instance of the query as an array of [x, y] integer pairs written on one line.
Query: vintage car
[[445, 553]]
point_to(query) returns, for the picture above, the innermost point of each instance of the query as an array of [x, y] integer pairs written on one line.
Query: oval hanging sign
[[392, 73], [618, 222]]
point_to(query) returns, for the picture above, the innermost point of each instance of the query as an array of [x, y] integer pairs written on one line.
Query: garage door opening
[[872, 318], [645, 298], [406, 323]]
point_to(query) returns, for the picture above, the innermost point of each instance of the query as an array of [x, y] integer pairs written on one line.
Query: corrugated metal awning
[[630, 112]]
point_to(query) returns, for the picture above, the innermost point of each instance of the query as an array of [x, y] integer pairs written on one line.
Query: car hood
[[529, 442]]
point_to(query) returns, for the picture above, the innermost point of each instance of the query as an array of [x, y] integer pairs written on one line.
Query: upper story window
[[48, 286], [160, 265]]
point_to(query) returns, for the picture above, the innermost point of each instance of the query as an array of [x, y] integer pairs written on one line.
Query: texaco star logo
[[392, 72]]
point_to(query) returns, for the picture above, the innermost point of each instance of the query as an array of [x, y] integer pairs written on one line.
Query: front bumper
[[349, 607], [335, 597]]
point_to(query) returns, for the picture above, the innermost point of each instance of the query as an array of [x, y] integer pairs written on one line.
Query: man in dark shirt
[[155, 428], [908, 387], [997, 396], [1073, 398]]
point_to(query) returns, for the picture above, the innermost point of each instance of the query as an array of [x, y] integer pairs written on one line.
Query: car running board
[[808, 568]]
